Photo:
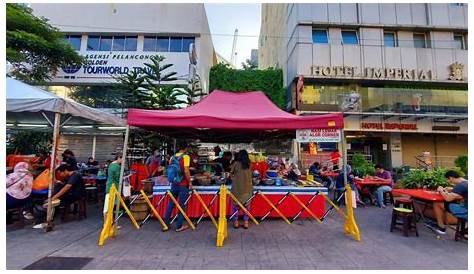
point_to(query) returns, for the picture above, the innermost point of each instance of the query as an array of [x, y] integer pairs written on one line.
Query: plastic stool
[[407, 217], [461, 229]]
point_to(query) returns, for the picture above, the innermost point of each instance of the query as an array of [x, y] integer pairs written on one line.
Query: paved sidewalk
[[272, 245]]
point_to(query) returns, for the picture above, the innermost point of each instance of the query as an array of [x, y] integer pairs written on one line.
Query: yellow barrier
[[206, 208], [305, 207], [181, 210], [274, 208], [153, 209], [222, 226], [110, 228], [350, 226], [243, 208]]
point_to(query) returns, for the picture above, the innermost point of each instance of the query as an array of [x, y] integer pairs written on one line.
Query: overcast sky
[[224, 19]]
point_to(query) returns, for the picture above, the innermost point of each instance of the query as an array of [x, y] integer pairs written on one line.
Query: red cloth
[[259, 206], [421, 194], [229, 110], [140, 173]]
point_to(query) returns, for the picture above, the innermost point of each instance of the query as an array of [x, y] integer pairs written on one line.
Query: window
[[176, 44], [320, 36], [167, 44], [131, 43], [389, 39], [419, 40], [457, 4], [121, 43], [106, 43], [186, 42], [163, 44], [459, 41], [93, 42], [349, 37], [75, 41], [149, 44]]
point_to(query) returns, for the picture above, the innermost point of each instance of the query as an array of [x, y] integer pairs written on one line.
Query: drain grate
[[59, 263]]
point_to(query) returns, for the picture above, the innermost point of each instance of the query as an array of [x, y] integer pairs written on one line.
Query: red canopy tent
[[231, 117], [229, 110]]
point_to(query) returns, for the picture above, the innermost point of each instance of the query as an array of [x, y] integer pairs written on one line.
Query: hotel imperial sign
[[373, 73]]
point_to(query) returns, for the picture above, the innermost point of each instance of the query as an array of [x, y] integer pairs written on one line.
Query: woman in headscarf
[[19, 184]]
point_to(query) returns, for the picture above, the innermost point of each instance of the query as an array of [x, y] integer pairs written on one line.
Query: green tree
[[269, 81], [110, 96], [35, 49], [248, 65], [152, 90]]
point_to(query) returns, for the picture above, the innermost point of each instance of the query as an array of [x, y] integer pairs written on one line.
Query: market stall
[[31, 108], [237, 118]]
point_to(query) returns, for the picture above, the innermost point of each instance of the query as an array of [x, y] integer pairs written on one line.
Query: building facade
[[118, 38], [397, 71]]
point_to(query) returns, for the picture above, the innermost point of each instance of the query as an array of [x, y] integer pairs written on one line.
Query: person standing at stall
[[242, 188], [113, 178], [335, 156], [180, 180], [69, 159]]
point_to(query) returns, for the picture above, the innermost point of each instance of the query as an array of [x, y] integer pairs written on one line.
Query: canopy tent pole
[[94, 140], [52, 168], [122, 169], [344, 156]]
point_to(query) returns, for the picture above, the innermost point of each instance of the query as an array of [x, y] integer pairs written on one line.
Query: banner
[[318, 135]]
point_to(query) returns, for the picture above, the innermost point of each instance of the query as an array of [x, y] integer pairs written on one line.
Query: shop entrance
[[374, 147]]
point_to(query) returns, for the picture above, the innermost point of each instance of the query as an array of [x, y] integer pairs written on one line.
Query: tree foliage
[[35, 49], [269, 81], [28, 142], [110, 96]]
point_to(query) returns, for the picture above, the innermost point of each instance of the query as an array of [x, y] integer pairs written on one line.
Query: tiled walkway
[[272, 245]]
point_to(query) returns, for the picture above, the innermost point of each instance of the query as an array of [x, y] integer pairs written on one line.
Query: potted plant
[[361, 167]]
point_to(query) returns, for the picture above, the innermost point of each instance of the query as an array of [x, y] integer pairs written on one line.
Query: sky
[[224, 19]]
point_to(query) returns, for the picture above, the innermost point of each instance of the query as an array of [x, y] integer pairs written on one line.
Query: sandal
[[246, 224], [236, 224], [182, 228]]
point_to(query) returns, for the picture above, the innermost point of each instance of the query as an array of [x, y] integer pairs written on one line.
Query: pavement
[[273, 244]]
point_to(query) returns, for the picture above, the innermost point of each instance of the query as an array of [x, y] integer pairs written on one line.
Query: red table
[[420, 194], [370, 182], [426, 196]]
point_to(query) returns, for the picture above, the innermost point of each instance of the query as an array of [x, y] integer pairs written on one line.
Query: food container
[[272, 174], [269, 182]]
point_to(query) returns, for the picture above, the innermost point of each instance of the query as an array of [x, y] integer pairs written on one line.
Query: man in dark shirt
[[445, 212], [73, 189]]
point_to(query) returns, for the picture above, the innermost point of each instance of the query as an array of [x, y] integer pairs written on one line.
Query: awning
[[223, 110]]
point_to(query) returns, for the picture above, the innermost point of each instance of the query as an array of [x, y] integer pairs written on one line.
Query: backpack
[[173, 171]]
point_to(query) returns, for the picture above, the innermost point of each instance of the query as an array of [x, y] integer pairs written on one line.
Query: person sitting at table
[[242, 188], [91, 162], [383, 175], [19, 185], [316, 171], [446, 213], [67, 192]]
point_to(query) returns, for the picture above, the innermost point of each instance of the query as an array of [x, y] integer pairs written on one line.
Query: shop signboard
[[104, 67], [318, 135]]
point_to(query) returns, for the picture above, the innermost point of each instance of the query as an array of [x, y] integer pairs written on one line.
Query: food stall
[[225, 117]]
